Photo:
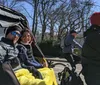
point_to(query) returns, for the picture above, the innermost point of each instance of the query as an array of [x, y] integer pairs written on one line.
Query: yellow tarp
[[26, 78]]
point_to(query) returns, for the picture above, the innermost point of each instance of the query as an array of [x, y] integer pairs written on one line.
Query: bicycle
[[68, 75]]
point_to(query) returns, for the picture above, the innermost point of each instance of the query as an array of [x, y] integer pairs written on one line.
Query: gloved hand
[[35, 72]]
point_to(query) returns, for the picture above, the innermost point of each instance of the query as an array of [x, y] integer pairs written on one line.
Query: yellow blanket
[[26, 78]]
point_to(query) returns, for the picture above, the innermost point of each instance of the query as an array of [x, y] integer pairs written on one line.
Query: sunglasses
[[15, 33]]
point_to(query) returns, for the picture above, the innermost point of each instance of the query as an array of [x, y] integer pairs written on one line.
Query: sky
[[97, 3]]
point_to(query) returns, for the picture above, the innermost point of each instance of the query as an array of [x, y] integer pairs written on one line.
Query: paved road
[[59, 68]]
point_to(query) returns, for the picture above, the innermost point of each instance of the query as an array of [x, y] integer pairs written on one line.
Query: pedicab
[[18, 75]]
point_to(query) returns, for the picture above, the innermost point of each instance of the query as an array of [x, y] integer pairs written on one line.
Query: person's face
[[14, 36], [26, 37], [74, 34]]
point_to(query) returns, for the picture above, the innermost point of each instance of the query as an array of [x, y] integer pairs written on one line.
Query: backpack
[[69, 77]]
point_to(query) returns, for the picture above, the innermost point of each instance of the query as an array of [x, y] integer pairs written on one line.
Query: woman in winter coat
[[25, 50], [91, 52], [26, 54]]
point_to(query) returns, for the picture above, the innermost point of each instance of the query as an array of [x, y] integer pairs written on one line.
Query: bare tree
[[34, 4], [35, 16], [76, 17], [56, 15], [45, 8]]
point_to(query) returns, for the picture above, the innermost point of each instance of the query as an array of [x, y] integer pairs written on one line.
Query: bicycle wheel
[[58, 68]]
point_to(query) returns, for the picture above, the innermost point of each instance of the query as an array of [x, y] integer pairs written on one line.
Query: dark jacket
[[91, 46], [68, 44], [22, 55], [26, 56]]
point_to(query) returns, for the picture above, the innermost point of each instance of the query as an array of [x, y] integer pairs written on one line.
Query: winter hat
[[95, 18], [12, 28], [72, 31]]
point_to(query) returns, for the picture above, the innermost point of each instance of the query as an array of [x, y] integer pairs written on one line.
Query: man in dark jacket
[[91, 52], [9, 53], [68, 47], [8, 50]]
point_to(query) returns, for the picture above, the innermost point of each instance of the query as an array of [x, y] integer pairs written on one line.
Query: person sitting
[[27, 59], [25, 50], [8, 53], [9, 42]]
